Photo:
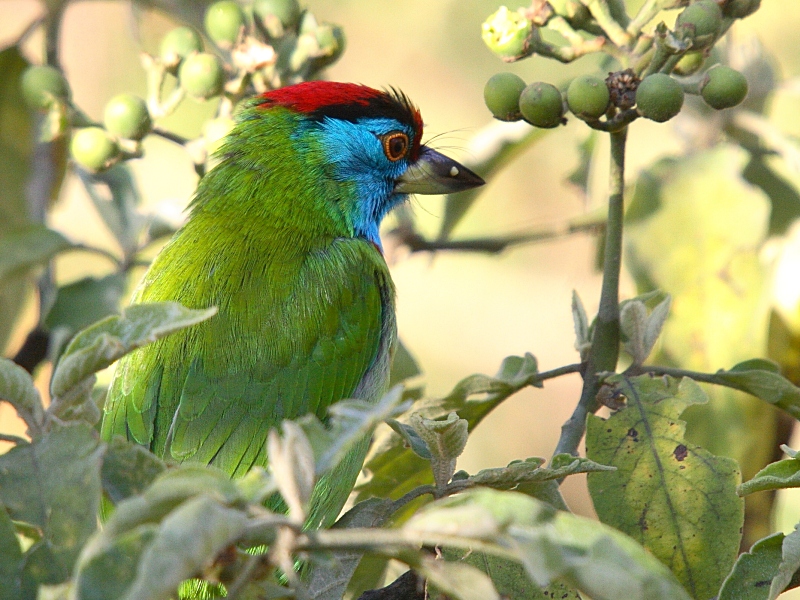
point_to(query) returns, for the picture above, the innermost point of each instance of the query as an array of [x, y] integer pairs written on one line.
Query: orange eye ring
[[395, 145]]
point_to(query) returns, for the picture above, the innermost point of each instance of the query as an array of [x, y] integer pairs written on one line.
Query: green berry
[[126, 116], [700, 22], [330, 41], [92, 149], [690, 63], [286, 11], [177, 45], [588, 96], [501, 95], [507, 34], [659, 97], [223, 22], [738, 9], [202, 75], [41, 84], [541, 105], [723, 87]]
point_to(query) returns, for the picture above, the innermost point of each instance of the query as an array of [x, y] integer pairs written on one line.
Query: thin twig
[[491, 245], [29, 29], [100, 251], [168, 135], [14, 439], [675, 372], [53, 33]]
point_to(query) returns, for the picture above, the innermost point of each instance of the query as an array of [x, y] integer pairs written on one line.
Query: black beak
[[434, 173]]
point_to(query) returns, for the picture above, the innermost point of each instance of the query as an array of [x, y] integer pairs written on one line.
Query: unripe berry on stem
[[92, 149], [202, 75], [690, 63], [723, 87], [541, 105], [659, 97], [223, 22], [588, 96], [507, 33], [285, 12], [700, 22], [177, 45], [126, 116], [501, 95], [738, 9], [41, 84], [331, 42]]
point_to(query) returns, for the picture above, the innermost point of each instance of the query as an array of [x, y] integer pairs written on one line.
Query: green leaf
[[169, 490], [29, 247], [783, 195], [10, 559], [509, 577], [458, 580], [117, 207], [411, 437], [445, 439], [580, 175], [96, 347], [186, 540], [789, 565], [696, 229], [16, 388], [291, 460], [108, 574], [551, 545], [581, 322], [754, 570], [765, 384], [633, 322], [350, 422], [778, 475], [81, 303], [404, 366], [675, 498], [54, 484], [128, 469], [330, 575], [393, 469], [491, 149], [16, 150]]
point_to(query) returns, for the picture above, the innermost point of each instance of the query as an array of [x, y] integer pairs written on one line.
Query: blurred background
[[458, 313]]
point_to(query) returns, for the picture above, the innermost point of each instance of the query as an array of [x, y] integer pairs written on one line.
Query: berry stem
[[602, 14], [604, 352]]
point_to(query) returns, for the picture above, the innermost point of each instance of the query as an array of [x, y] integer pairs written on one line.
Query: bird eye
[[395, 145]]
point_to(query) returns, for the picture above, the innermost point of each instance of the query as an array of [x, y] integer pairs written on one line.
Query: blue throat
[[357, 155]]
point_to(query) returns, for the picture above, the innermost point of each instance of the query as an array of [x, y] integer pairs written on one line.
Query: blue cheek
[[357, 156]]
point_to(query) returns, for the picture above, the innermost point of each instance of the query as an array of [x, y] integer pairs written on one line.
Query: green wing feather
[[295, 332]]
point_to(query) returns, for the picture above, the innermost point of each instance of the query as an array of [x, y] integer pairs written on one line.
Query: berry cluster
[[253, 48], [657, 69]]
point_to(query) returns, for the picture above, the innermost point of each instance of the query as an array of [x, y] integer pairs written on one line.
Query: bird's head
[[370, 140]]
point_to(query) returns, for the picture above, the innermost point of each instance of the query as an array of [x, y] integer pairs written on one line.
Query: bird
[[283, 238]]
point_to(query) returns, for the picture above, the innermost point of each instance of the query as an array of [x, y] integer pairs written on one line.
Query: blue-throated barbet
[[283, 238]]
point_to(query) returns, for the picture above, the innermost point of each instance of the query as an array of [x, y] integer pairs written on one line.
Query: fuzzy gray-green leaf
[[98, 346]]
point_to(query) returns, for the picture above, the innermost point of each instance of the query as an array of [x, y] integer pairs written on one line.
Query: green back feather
[[306, 312]]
